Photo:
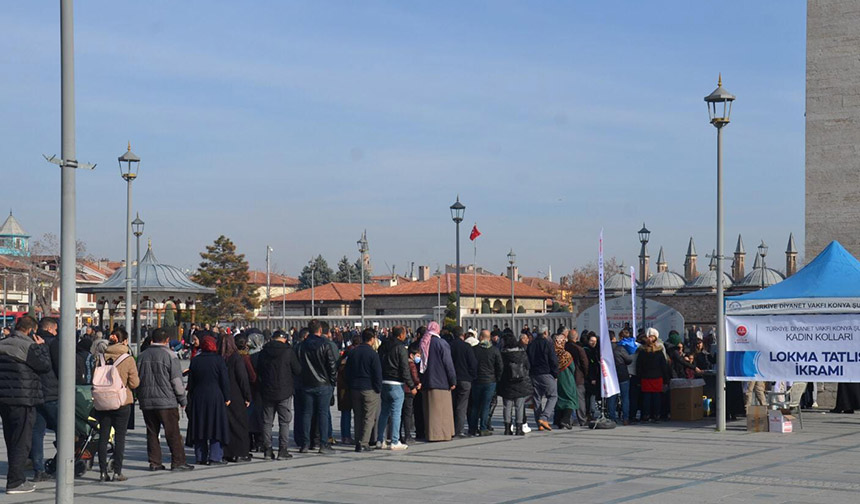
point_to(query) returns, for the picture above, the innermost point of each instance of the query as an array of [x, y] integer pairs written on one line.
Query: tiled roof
[[493, 286], [11, 227], [541, 283], [385, 278], [331, 292], [12, 264], [259, 278]]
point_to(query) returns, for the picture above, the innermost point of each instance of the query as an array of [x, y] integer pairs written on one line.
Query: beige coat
[[127, 368]]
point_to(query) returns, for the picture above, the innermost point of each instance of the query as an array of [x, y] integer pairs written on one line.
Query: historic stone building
[[832, 125], [694, 294]]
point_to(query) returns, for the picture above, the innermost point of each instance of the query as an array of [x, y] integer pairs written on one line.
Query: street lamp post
[[5, 295], [129, 165], [512, 258], [644, 236], [137, 228], [457, 212], [284, 303], [313, 270], [719, 110], [762, 251], [269, 250], [363, 249]]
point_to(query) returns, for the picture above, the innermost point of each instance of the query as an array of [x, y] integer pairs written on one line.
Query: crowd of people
[[391, 388]]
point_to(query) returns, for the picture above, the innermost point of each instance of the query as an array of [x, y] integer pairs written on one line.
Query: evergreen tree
[[451, 311], [226, 271], [357, 270], [322, 275], [346, 271]]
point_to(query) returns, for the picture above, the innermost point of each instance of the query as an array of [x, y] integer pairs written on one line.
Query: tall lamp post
[[719, 110], [762, 251], [129, 165], [512, 259], [269, 251], [644, 236], [363, 249], [313, 270], [137, 228], [5, 295], [457, 211]]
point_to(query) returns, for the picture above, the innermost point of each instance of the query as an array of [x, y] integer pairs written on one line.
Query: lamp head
[[458, 210], [719, 105]]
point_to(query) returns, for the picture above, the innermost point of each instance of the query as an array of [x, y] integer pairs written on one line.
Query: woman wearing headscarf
[[240, 398], [209, 392], [654, 373], [438, 379], [568, 400], [515, 384]]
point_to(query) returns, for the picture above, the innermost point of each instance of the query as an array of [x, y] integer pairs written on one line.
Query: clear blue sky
[[299, 124]]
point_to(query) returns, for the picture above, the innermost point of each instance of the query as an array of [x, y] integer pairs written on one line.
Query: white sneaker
[[398, 446], [25, 487], [386, 445], [526, 428]]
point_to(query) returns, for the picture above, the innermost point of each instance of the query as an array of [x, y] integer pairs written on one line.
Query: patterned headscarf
[[432, 330], [564, 357]]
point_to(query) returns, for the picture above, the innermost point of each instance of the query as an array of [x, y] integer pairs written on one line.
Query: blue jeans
[[392, 407], [46, 418], [482, 395], [208, 451], [316, 400], [625, 402], [346, 424], [299, 417]]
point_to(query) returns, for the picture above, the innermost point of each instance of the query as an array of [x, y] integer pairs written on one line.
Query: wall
[[832, 125]]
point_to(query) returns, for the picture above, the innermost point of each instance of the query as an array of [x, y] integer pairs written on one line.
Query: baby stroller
[[86, 435]]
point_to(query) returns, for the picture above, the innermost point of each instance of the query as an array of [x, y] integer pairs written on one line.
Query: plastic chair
[[776, 400]]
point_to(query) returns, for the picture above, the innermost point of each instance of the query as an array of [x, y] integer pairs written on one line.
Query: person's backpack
[[109, 392]]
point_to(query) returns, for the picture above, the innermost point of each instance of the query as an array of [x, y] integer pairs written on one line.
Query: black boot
[[520, 431], [104, 476], [508, 431]]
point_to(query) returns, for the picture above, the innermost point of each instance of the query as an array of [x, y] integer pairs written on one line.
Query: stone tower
[[832, 125], [645, 262], [738, 270], [662, 266], [690, 271], [790, 257]]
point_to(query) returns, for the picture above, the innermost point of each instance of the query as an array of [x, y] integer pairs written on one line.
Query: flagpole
[[475, 271]]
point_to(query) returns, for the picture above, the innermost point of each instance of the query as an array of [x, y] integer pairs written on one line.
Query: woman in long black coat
[[240, 398], [209, 393], [515, 385]]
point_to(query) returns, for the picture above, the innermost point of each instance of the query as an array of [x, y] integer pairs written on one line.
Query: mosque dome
[[665, 280], [708, 280]]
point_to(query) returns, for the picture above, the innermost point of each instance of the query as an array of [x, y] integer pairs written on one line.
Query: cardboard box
[[777, 422], [686, 404], [757, 419]]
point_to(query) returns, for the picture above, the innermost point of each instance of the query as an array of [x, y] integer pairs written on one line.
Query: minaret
[[790, 257], [738, 262], [645, 264], [549, 275], [690, 271], [661, 262]]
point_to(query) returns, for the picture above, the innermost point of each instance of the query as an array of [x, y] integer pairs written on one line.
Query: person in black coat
[[466, 368], [277, 370], [490, 368], [515, 384], [209, 392], [240, 398], [23, 357]]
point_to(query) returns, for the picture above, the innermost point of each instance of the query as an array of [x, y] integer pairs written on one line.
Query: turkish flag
[[475, 233]]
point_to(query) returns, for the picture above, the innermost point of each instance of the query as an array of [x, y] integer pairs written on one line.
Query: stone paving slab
[[663, 463]]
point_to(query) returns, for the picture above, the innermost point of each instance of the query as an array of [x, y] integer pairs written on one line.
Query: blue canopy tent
[[805, 328]]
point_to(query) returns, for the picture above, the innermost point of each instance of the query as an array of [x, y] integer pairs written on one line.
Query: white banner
[[822, 348], [814, 306], [633, 301], [607, 358]]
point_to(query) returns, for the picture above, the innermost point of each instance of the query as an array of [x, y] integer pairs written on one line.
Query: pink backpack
[[109, 392]]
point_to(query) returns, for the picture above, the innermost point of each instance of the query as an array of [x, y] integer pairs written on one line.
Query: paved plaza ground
[[663, 463]]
